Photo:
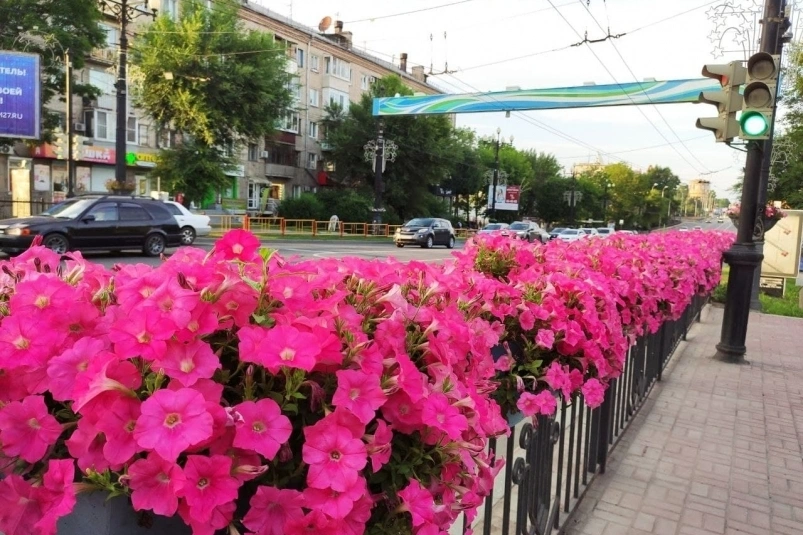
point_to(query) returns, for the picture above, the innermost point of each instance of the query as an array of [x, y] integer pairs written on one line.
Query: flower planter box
[[768, 223], [94, 514]]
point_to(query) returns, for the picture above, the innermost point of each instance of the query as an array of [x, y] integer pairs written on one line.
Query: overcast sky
[[479, 32]]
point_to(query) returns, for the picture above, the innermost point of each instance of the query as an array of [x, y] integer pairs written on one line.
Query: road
[[307, 248]]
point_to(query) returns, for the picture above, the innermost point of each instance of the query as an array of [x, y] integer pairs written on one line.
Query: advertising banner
[[782, 246], [507, 197], [19, 95]]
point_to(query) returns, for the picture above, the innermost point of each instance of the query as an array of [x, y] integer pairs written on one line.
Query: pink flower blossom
[[594, 393], [336, 504], [237, 245], [57, 495], [172, 421], [439, 413], [558, 378], [27, 430], [542, 403], [282, 345], [379, 445], [360, 393], [417, 501], [545, 338], [106, 379], [155, 484], [262, 428], [209, 484], [64, 369], [271, 508], [334, 456], [117, 424], [186, 362]]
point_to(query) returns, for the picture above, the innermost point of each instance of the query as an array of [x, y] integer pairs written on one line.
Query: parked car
[[528, 230], [683, 229], [96, 222], [571, 234], [720, 220], [605, 231], [426, 232], [555, 231], [590, 232], [191, 225], [493, 227], [698, 228]]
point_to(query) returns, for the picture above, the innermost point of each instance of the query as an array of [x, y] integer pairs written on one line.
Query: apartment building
[[326, 68], [699, 189]]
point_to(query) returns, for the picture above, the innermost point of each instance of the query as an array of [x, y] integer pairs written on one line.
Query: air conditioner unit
[[6, 149], [264, 155], [79, 127]]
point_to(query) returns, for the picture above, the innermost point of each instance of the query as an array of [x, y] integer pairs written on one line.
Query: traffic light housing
[[760, 92], [728, 101]]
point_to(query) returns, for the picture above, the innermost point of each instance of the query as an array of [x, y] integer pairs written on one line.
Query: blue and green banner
[[586, 96]]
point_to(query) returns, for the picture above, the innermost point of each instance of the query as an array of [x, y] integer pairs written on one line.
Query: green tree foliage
[[306, 206], [348, 205], [206, 75], [52, 26], [194, 169]]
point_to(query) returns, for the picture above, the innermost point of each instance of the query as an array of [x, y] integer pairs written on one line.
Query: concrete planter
[[93, 514]]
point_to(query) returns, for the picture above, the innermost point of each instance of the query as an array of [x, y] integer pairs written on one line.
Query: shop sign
[[142, 159]]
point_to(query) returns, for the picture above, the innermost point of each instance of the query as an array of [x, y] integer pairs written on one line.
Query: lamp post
[[125, 12], [379, 152], [496, 174], [605, 199]]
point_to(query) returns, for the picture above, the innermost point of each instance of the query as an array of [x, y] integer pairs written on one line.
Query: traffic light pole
[[743, 257], [69, 126]]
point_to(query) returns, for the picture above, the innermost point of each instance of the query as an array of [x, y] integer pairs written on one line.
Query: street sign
[[19, 95], [772, 286]]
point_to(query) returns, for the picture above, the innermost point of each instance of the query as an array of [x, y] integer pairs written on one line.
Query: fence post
[[605, 427], [282, 226], [314, 226]]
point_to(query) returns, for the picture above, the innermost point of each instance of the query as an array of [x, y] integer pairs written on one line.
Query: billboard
[[782, 246], [19, 95], [507, 197]]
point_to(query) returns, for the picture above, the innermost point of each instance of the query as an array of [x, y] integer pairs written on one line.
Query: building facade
[[699, 189], [325, 67]]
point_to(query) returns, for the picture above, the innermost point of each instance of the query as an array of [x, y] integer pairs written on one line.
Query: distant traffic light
[[728, 101], [760, 91]]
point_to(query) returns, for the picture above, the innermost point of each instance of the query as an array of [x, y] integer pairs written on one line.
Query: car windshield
[[493, 226], [558, 230], [604, 230], [586, 230], [519, 226], [69, 209], [419, 222], [570, 232]]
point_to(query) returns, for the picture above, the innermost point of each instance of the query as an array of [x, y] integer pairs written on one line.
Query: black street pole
[[379, 161], [572, 202], [743, 257], [122, 127], [496, 178], [69, 128]]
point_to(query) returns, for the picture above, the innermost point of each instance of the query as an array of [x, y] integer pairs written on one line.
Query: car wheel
[[187, 235], [429, 243], [58, 243], [530, 238], [400, 245], [450, 245], [154, 245]]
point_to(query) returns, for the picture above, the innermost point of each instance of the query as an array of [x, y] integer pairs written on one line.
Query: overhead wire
[[423, 9], [641, 111], [658, 111]]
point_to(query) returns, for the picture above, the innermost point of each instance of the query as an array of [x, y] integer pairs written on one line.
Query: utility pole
[[125, 13], [69, 128], [743, 257], [379, 152], [496, 176]]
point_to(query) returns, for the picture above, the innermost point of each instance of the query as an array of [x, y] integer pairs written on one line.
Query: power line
[[661, 115], [371, 19], [620, 86]]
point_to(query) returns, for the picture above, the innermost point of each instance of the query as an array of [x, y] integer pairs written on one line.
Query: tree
[[513, 162], [53, 26], [194, 169], [551, 206], [466, 178], [425, 157], [630, 192], [207, 77]]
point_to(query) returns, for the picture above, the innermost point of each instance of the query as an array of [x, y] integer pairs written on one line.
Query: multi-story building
[[326, 68], [699, 189]]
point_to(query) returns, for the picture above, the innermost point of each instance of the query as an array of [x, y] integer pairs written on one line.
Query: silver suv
[[528, 230], [426, 232]]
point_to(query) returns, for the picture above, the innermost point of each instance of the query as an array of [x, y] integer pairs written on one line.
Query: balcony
[[276, 170], [335, 82]]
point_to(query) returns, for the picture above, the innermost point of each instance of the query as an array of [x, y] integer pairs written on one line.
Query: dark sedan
[[107, 223]]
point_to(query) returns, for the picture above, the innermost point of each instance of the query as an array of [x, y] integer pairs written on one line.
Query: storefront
[[94, 166], [143, 163]]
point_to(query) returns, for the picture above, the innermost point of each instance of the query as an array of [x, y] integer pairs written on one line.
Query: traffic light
[[760, 91], [728, 101], [60, 143]]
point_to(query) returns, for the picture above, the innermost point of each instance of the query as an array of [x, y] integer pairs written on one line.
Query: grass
[[785, 306]]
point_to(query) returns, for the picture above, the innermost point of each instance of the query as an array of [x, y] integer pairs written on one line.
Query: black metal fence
[[549, 465], [10, 208]]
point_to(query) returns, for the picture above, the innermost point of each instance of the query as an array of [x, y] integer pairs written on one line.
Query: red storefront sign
[[85, 153]]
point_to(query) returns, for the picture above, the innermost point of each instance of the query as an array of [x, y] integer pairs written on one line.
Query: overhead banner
[[507, 197], [19, 95]]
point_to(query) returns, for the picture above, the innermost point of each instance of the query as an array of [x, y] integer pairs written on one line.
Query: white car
[[192, 225], [571, 234]]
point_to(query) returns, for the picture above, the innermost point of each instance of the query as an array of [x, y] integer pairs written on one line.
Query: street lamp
[[605, 186], [496, 175]]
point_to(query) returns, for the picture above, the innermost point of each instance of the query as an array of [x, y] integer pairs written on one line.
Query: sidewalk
[[716, 448]]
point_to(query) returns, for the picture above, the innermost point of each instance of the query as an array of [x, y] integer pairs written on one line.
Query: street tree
[[513, 162], [209, 78], [545, 167], [47, 28]]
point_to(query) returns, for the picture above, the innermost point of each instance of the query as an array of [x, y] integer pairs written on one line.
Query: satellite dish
[[325, 23]]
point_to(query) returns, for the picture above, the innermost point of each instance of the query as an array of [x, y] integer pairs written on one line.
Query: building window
[[170, 8], [296, 192], [338, 67], [132, 132], [253, 152], [314, 63], [290, 122], [312, 160], [166, 139], [314, 98], [227, 150], [333, 96], [313, 130], [144, 135], [300, 57], [103, 128], [112, 36], [281, 154], [365, 82]]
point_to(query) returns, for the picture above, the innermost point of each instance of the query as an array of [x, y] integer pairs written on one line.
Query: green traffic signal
[[754, 123]]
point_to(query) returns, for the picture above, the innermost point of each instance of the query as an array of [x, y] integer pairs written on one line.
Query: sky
[[662, 40]]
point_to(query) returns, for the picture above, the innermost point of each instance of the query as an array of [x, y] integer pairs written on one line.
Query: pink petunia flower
[[360, 393], [171, 421], [263, 428], [594, 393], [379, 445], [237, 244], [558, 378], [219, 518], [271, 508], [282, 345], [57, 495], [27, 430], [542, 403], [335, 504], [545, 338], [188, 362], [439, 413], [20, 509], [209, 484], [418, 502], [334, 456], [155, 484], [106, 377], [64, 369], [141, 335], [118, 423]]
